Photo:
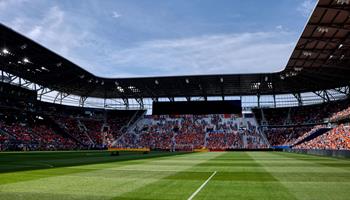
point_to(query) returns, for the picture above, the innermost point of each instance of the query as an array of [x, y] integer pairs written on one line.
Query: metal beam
[[60, 96], [126, 102], [82, 101], [298, 98], [340, 26], [345, 8], [320, 94], [140, 102]]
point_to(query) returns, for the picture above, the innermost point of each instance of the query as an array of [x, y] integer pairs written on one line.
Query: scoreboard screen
[[197, 107]]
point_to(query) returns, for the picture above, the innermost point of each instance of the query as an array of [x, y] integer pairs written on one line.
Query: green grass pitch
[[239, 175]]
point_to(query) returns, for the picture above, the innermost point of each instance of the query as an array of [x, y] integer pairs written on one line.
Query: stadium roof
[[319, 61]]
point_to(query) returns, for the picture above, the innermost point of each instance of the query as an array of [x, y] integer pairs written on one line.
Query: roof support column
[[104, 103], [299, 99], [42, 91], [320, 94], [126, 103], [82, 101], [140, 102], [325, 93], [60, 96], [155, 99]]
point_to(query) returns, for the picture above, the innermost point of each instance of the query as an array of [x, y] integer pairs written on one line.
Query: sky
[[137, 38]]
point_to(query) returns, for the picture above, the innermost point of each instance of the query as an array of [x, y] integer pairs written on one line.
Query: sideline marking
[[201, 187]]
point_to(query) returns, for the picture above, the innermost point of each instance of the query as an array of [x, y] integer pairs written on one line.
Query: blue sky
[[133, 38]]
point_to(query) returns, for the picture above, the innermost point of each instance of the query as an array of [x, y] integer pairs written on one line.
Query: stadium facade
[[317, 73]]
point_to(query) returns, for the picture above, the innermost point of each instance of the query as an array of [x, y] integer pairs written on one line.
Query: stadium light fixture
[[45, 69], [5, 51], [322, 29], [26, 60], [24, 46], [343, 2], [298, 69], [255, 85], [269, 85], [307, 53], [120, 89]]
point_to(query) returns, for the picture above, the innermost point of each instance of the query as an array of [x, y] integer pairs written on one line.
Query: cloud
[[279, 27], [7, 3], [225, 53], [53, 31], [116, 15], [306, 7], [75, 38]]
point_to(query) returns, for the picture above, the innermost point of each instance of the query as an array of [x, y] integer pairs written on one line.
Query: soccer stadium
[[69, 133]]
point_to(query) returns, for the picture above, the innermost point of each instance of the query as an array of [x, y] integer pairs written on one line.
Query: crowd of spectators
[[341, 115], [306, 134], [71, 126], [337, 138], [285, 136], [97, 133], [23, 136], [288, 126], [25, 131], [302, 115], [215, 132], [4, 141]]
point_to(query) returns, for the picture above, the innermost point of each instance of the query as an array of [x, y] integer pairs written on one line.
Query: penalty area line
[[201, 187]]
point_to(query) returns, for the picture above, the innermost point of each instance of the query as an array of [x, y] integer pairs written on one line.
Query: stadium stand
[[188, 132], [46, 126], [338, 138], [286, 127]]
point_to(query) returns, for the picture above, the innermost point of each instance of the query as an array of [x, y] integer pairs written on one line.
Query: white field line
[[201, 187]]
